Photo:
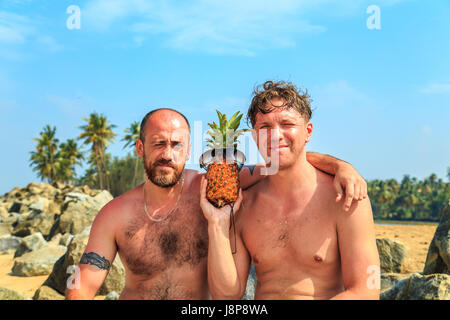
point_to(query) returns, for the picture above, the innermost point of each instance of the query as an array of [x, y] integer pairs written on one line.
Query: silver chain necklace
[[170, 211]]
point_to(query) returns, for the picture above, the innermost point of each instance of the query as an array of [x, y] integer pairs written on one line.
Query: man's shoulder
[[123, 202]]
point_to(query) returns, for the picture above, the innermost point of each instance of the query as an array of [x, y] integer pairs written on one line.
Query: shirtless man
[[302, 243], [158, 229]]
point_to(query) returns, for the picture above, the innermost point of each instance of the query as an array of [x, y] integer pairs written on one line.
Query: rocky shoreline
[[47, 227]]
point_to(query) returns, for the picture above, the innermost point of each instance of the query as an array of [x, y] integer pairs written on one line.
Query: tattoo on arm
[[94, 259]]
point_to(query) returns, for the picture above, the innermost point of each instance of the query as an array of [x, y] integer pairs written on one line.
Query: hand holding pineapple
[[223, 160], [218, 216]]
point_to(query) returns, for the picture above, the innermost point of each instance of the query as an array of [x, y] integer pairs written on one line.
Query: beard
[[163, 177]]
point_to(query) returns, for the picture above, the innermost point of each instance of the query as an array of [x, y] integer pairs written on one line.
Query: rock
[[34, 188], [78, 215], [112, 296], [3, 212], [48, 191], [54, 208], [34, 222], [16, 207], [388, 280], [47, 293], [56, 240], [41, 204], [30, 243], [5, 229], [9, 244], [392, 255], [420, 287], [57, 280], [39, 262], [66, 238], [251, 285], [75, 196], [8, 294], [115, 281], [438, 257], [12, 219]]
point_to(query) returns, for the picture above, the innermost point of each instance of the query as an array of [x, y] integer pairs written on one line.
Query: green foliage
[[410, 199], [225, 135], [98, 133], [125, 174], [52, 161]]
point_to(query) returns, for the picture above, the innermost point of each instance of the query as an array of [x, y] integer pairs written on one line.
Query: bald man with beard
[[158, 228]]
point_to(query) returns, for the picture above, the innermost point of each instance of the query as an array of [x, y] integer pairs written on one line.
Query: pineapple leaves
[[225, 135]]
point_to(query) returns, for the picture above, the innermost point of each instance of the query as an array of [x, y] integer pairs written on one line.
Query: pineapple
[[223, 160]]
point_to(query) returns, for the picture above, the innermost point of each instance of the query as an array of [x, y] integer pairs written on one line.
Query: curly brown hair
[[293, 97]]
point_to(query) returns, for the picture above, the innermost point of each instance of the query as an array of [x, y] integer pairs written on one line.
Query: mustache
[[164, 162]]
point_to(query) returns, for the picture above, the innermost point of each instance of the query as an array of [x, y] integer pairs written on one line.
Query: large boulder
[[8, 294], [57, 280], [388, 280], [5, 229], [9, 244], [39, 262], [420, 287], [47, 293], [3, 212], [30, 243], [392, 254], [33, 222], [80, 210], [438, 257], [40, 204]]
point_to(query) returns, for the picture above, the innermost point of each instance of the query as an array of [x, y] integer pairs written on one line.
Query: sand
[[25, 285], [416, 238]]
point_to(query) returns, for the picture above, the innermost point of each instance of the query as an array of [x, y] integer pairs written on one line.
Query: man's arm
[[360, 262], [346, 179], [227, 273], [97, 257]]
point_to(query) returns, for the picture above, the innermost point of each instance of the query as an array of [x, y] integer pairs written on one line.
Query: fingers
[[357, 195], [238, 202], [339, 191], [203, 188], [364, 188], [203, 200], [349, 194]]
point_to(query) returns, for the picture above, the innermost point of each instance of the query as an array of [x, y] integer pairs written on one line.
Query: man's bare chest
[[148, 248], [301, 236]]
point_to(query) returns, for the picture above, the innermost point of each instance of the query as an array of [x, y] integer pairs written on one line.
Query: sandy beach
[[415, 237]]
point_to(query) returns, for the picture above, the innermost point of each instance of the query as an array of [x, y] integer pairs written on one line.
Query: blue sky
[[381, 98]]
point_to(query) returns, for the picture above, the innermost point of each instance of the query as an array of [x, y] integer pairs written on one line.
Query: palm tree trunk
[[99, 168], [135, 172], [102, 158]]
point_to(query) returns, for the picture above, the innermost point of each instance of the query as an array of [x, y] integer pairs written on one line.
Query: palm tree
[[68, 158], [43, 160], [132, 133], [98, 133]]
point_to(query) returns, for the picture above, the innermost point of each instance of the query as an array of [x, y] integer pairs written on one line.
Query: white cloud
[[436, 88], [14, 28], [427, 130], [18, 30], [218, 27], [339, 94], [69, 106]]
